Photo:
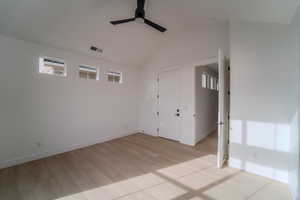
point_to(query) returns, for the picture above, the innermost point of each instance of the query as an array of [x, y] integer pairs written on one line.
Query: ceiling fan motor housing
[[139, 13]]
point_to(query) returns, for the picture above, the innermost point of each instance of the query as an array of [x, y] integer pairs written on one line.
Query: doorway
[[206, 107], [177, 114], [212, 107]]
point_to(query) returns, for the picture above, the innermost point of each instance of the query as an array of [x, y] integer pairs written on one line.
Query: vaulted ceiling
[[78, 24]]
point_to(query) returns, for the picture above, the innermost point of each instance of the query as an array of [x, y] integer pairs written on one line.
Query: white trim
[[40, 58], [164, 70], [32, 157], [114, 73], [258, 171], [89, 70]]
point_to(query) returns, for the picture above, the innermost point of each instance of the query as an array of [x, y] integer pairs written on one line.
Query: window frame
[[58, 60], [212, 82], [114, 72], [89, 66], [204, 83]]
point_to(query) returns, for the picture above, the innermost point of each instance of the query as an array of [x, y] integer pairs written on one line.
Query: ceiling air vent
[[96, 49]]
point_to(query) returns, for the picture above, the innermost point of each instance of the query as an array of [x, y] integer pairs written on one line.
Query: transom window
[[205, 80], [87, 72], [52, 66], [209, 81], [114, 77]]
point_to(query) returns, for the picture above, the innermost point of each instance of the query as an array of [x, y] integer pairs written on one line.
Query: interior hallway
[[136, 167], [209, 144]]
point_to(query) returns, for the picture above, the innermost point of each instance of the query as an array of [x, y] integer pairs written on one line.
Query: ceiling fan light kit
[[140, 18]]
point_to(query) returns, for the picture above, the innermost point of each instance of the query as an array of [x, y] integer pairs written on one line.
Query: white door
[[169, 106], [223, 122]]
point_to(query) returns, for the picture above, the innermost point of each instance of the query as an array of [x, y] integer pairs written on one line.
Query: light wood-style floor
[[136, 167]]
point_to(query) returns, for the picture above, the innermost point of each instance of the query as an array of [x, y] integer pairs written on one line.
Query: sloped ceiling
[[77, 24]]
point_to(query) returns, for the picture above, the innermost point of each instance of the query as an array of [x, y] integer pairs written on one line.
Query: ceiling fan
[[140, 16]]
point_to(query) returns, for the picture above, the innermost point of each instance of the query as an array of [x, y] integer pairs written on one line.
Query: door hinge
[[228, 68], [157, 113], [228, 92], [157, 96]]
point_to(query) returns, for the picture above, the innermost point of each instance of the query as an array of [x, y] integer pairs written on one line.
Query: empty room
[[149, 99]]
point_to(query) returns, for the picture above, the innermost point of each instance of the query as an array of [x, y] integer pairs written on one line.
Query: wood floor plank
[[73, 174]]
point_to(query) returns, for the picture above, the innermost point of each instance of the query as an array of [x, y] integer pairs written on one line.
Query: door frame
[[164, 70], [193, 65], [212, 61], [224, 109]]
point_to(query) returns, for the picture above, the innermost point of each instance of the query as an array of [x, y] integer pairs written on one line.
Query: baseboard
[[257, 171], [294, 196], [187, 143], [32, 157], [147, 133], [198, 139]]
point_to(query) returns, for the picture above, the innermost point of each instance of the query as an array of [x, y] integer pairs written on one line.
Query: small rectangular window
[[204, 80], [115, 77], [86, 72], [52, 66], [212, 83], [215, 83]]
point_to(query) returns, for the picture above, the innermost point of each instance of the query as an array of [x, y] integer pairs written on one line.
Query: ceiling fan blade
[[122, 21], [154, 25], [140, 4]]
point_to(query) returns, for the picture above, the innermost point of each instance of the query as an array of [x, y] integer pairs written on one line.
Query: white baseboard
[[32, 157], [260, 171], [187, 143]]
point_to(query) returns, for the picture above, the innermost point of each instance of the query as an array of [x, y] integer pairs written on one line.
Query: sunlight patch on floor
[[196, 179]]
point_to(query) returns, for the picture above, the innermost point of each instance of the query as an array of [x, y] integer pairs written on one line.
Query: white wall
[[263, 98], [296, 185], [293, 179], [193, 47], [206, 105], [61, 113], [294, 176]]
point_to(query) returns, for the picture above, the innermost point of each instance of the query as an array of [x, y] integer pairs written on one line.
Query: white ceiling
[[77, 24]]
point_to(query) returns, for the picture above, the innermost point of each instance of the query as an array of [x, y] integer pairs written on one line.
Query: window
[[86, 72], [115, 77], [212, 83], [217, 84], [52, 66], [209, 81], [205, 80]]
